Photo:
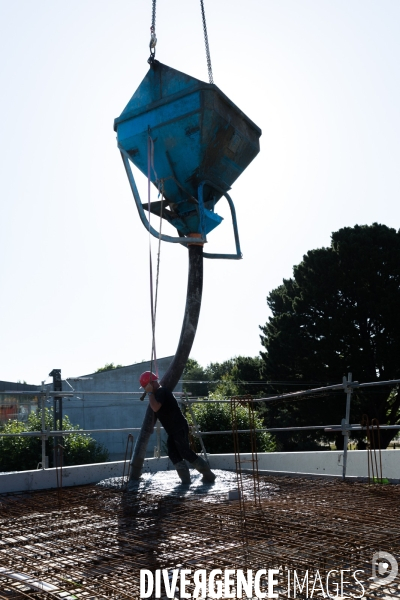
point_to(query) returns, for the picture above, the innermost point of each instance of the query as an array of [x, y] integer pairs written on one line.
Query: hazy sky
[[319, 77]]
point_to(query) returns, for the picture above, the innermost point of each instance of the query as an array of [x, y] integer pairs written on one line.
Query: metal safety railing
[[45, 395], [348, 386]]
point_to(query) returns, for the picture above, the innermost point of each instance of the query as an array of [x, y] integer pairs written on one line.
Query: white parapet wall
[[43, 479], [328, 463], [324, 464]]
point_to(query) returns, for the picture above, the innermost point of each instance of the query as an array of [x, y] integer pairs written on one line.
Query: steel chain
[[153, 39], [209, 67]]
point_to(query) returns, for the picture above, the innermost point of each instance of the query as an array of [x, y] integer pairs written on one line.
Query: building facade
[[100, 404]]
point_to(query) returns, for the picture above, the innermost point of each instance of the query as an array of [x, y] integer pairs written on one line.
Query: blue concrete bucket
[[201, 143]]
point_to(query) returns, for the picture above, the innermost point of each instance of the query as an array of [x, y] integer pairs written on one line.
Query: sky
[[319, 77]]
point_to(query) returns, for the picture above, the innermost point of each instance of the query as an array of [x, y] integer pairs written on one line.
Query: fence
[[348, 386]]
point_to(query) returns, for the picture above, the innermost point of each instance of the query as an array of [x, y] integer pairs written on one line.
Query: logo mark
[[386, 566]]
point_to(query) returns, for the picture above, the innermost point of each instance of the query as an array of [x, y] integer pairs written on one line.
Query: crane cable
[[153, 38], [153, 295]]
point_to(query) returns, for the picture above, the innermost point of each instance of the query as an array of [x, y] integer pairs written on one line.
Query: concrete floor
[[167, 484]]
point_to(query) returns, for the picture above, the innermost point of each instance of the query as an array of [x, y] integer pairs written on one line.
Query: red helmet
[[146, 377]]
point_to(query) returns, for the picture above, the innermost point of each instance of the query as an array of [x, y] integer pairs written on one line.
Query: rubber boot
[[202, 467], [183, 471]]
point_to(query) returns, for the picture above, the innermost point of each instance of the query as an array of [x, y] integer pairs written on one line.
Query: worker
[[166, 408]]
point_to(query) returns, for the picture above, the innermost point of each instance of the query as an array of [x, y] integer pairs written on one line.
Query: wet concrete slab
[[167, 483]]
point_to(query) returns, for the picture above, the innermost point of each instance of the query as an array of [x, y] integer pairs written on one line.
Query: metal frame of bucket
[[184, 240]]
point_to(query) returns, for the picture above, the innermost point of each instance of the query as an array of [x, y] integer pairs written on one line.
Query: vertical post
[[157, 449], [198, 432], [45, 459], [57, 407], [346, 421]]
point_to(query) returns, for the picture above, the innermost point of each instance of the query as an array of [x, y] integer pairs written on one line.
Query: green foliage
[[217, 371], [237, 376], [338, 314], [245, 374], [226, 387], [24, 453], [108, 367], [193, 372], [18, 453], [217, 417]]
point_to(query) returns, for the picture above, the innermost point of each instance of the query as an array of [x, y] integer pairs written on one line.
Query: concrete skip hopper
[[191, 139]]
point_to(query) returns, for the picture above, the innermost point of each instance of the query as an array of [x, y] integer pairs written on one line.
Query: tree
[[338, 314], [24, 453], [217, 371], [214, 416], [108, 367], [247, 375], [194, 372], [237, 376]]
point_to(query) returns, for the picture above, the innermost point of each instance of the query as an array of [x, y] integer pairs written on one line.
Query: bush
[[24, 453], [217, 417], [18, 453]]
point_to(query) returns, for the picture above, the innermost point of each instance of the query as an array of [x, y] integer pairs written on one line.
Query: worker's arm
[[153, 402]]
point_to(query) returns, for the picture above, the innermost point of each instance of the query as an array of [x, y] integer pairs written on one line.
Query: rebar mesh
[[91, 542]]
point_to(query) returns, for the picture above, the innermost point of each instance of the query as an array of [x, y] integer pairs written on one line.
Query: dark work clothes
[[176, 426], [170, 415], [178, 446]]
